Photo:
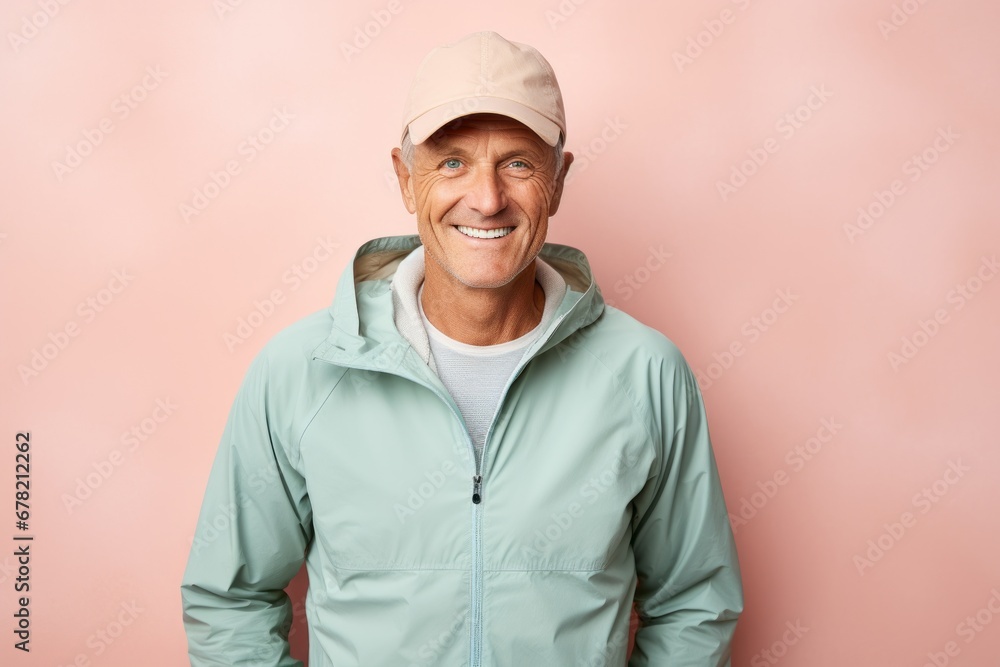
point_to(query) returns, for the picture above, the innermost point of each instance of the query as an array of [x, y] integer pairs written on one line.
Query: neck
[[482, 316]]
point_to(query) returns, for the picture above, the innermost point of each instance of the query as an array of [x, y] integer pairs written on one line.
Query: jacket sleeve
[[689, 591], [253, 530]]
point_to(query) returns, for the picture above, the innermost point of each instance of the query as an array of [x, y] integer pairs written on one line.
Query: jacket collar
[[363, 334]]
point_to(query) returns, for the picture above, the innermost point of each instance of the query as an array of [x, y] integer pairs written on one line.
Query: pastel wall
[[802, 195]]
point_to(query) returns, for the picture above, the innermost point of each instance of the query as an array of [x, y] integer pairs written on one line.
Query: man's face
[[485, 172]]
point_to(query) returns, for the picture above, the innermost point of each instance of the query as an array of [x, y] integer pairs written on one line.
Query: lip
[[485, 229], [478, 241]]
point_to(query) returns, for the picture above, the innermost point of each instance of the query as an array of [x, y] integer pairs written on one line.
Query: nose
[[486, 193]]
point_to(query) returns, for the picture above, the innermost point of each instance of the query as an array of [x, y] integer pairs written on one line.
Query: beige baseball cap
[[485, 73]]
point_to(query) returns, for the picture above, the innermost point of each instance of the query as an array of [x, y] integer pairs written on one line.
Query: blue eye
[[519, 164], [452, 163]]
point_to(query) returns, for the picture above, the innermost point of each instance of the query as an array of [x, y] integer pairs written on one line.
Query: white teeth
[[484, 234]]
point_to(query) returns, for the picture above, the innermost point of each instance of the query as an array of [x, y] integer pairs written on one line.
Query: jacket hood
[[363, 333]]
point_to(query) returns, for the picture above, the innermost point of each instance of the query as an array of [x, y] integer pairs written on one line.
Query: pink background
[[669, 100]]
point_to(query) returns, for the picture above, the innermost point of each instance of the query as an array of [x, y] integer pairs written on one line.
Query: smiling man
[[483, 189], [479, 461]]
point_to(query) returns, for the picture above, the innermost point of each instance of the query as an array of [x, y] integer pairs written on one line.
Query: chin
[[484, 282], [497, 277]]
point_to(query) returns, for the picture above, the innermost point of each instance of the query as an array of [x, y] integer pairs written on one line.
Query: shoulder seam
[[316, 411], [625, 389]]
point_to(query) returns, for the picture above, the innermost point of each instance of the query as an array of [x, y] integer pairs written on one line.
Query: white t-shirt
[[476, 375]]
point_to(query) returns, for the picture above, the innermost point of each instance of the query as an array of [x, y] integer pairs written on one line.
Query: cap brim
[[430, 121]]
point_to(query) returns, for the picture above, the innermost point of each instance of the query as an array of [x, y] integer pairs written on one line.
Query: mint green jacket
[[598, 488]]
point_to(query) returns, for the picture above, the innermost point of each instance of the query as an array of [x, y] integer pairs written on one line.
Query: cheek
[[433, 198], [534, 196]]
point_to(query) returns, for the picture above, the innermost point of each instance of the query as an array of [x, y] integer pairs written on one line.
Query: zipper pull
[[477, 483]]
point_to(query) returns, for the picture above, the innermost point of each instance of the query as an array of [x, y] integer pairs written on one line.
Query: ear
[[560, 181], [405, 180]]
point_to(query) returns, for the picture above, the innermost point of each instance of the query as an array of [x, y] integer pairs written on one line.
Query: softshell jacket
[[598, 488]]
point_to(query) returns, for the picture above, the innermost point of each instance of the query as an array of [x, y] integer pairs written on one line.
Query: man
[[478, 460]]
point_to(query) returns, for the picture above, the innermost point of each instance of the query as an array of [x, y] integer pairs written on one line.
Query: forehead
[[479, 126]]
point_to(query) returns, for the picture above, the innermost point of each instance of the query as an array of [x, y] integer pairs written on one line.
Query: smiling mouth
[[484, 233]]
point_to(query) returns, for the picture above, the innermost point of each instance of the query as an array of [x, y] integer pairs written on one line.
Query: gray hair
[[406, 148]]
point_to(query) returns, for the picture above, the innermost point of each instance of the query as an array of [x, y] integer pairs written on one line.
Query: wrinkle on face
[[505, 177]]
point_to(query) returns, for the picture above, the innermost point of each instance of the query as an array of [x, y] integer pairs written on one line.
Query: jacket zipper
[[476, 585], [476, 643], [476, 640]]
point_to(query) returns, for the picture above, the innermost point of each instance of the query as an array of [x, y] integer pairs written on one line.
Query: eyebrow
[[445, 147]]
